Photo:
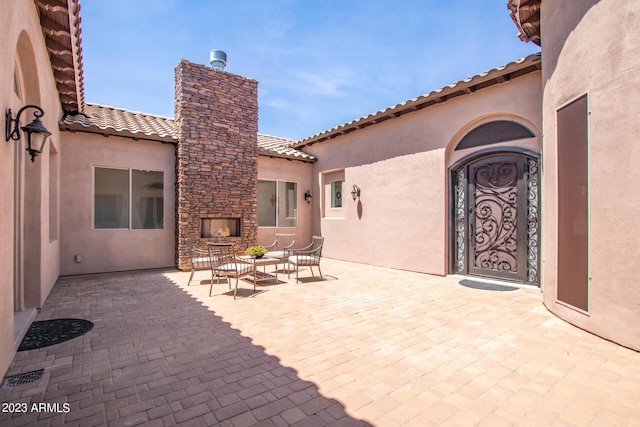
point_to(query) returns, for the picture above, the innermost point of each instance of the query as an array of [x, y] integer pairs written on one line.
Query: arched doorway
[[495, 216]]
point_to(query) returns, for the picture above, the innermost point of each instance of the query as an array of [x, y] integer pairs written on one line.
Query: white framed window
[[336, 194], [277, 204], [128, 199]]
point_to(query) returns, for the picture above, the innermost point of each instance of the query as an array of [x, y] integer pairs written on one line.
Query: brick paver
[[366, 346]]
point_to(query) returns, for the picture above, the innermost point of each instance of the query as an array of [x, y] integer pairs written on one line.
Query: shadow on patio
[[158, 355]]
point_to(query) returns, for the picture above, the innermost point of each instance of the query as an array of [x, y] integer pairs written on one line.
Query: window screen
[[123, 194], [277, 204], [111, 208]]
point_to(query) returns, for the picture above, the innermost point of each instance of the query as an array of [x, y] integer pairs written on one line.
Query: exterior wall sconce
[[307, 196], [355, 192], [36, 132]]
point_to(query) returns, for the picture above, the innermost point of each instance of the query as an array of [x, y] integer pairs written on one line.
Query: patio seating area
[[281, 247], [225, 263], [309, 256], [363, 345]]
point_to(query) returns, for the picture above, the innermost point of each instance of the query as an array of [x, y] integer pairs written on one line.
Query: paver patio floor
[[365, 346]]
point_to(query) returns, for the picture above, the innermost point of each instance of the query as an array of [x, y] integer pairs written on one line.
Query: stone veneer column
[[216, 115]]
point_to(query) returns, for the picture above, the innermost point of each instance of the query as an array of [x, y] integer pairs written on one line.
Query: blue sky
[[318, 63]]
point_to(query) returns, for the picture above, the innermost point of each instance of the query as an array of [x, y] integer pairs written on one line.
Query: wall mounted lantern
[[36, 132], [307, 196], [355, 192]]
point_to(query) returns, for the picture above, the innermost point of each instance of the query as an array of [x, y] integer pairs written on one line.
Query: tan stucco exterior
[[400, 165], [400, 162], [278, 169], [111, 249], [29, 249], [592, 48]]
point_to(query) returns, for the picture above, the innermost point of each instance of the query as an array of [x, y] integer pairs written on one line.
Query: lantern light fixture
[[35, 131], [307, 196], [355, 192]]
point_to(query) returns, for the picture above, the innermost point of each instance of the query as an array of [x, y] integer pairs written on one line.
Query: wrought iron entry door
[[495, 218]]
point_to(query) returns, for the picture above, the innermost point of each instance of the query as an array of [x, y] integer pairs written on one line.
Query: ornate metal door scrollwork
[[494, 245], [460, 220], [495, 217], [533, 221]]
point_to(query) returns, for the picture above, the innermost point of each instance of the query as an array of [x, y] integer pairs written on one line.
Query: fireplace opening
[[220, 227]]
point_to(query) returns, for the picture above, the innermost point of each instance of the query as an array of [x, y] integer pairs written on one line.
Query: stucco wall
[[400, 220], [22, 38], [105, 250], [593, 48], [276, 169]]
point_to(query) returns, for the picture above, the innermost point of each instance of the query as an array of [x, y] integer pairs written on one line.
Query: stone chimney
[[216, 116]]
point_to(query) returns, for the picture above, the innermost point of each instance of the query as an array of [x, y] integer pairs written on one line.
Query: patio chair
[[224, 263], [308, 256], [281, 247], [199, 259]]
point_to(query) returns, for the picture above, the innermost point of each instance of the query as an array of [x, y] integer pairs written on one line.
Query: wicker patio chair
[[224, 263], [308, 256], [199, 259], [280, 249]]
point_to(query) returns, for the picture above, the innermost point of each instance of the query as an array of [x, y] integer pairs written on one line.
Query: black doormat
[[486, 286], [49, 332]]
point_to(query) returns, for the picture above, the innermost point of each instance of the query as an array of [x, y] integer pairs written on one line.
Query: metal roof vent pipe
[[218, 59]]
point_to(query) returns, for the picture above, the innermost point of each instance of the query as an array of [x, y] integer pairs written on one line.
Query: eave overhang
[[492, 77], [60, 23], [526, 15]]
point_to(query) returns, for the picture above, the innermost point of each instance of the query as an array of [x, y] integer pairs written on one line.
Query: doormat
[[486, 286], [49, 332]]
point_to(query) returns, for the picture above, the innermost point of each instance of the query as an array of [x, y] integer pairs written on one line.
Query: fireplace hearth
[[220, 227]]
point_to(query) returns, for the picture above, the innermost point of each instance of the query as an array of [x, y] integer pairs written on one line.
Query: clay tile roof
[[116, 121], [106, 120], [526, 15], [60, 22], [489, 78], [275, 146]]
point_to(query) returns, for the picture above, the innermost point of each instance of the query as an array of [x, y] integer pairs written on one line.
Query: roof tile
[[276, 146], [116, 121], [488, 78], [108, 120]]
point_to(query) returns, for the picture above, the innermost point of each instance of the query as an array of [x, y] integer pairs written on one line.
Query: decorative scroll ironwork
[[460, 220], [487, 198], [496, 197], [533, 220]]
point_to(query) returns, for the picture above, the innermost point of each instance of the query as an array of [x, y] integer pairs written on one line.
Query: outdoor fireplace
[[220, 227], [216, 164]]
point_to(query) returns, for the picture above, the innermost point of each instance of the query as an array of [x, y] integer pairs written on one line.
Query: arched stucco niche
[[28, 182], [453, 156], [26, 73]]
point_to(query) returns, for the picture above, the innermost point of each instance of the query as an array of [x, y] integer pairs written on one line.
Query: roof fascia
[[493, 77]]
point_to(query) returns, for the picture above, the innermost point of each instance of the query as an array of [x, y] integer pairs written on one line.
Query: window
[[277, 204], [128, 198], [493, 133], [332, 185], [336, 194]]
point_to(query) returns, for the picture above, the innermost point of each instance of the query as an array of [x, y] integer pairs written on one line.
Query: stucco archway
[[454, 153], [27, 186], [494, 201]]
